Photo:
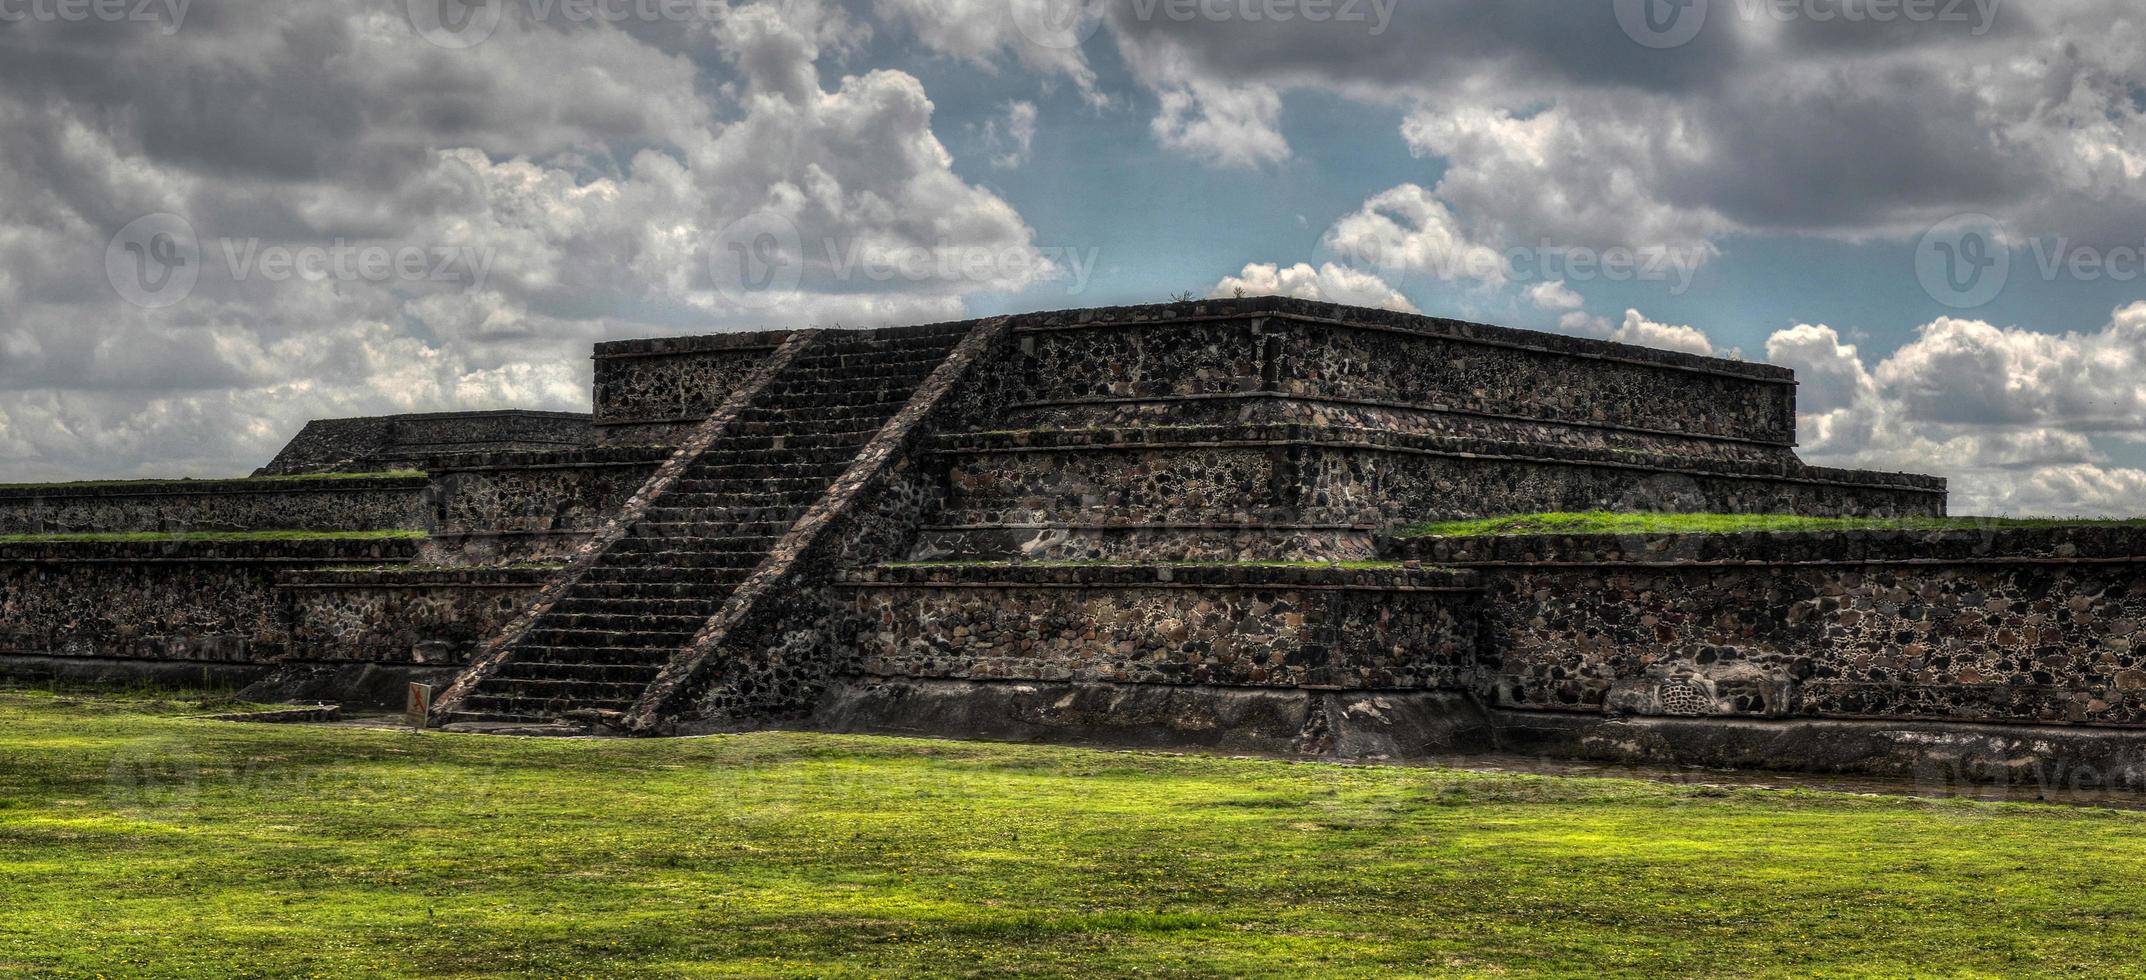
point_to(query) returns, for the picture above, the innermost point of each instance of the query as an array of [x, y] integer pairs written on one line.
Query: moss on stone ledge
[[417, 569], [1373, 566], [1604, 522], [189, 537]]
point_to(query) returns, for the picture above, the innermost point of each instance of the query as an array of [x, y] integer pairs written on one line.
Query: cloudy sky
[[220, 219]]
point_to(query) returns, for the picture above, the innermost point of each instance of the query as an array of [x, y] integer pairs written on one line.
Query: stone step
[[887, 398], [883, 397], [727, 481], [715, 499], [641, 674], [759, 431], [772, 455], [577, 692], [725, 514], [623, 586], [625, 622], [654, 589], [845, 434], [607, 656], [656, 530], [651, 646], [699, 561], [481, 722], [864, 365], [720, 538], [832, 433], [682, 583], [537, 709], [586, 605]]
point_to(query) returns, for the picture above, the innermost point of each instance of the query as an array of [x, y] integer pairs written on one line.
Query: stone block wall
[[1283, 360], [511, 507], [392, 442], [652, 392], [1230, 625], [1296, 492], [426, 616], [2006, 626], [295, 504], [1279, 429], [182, 601]]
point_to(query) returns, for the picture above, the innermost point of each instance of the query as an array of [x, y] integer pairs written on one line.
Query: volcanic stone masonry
[[1179, 525]]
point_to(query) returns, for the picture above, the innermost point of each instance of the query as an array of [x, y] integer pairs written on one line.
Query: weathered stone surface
[[1247, 626], [160, 601], [1076, 492], [652, 392], [2021, 625], [1277, 721], [343, 504], [735, 549], [418, 615], [394, 442], [498, 508]]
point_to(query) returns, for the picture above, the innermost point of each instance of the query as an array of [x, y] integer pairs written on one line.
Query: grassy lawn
[[135, 841], [1604, 522]]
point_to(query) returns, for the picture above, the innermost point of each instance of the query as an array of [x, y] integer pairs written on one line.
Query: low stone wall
[[1230, 625], [389, 442], [1352, 355], [184, 601], [2004, 626], [652, 392], [296, 504], [514, 507], [1267, 408], [1357, 725], [1161, 493], [419, 615]]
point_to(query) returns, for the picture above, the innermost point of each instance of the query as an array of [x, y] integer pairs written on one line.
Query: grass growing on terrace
[[187, 537], [136, 842], [1368, 566], [1604, 522]]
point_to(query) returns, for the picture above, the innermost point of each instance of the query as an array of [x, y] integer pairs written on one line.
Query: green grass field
[[135, 841], [1605, 522]]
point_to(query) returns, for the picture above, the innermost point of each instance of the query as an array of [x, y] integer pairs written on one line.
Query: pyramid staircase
[[630, 608]]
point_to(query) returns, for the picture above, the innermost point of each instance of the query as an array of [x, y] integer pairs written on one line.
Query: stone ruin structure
[[1177, 525]]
